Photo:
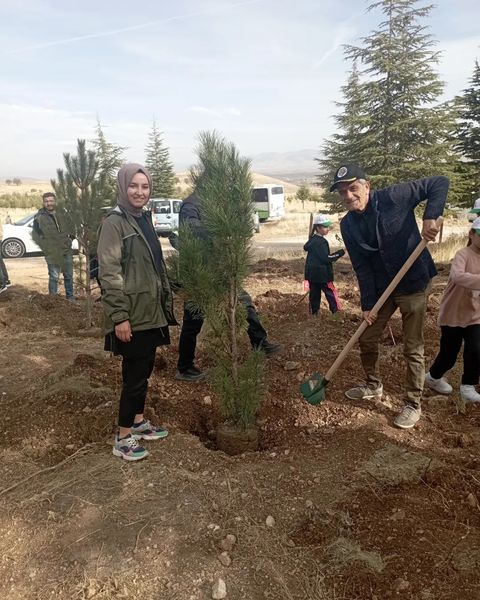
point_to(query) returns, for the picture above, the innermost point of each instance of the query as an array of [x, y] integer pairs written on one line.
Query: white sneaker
[[469, 394], [439, 385]]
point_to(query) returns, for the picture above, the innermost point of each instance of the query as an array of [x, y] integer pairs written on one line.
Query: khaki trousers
[[412, 308]]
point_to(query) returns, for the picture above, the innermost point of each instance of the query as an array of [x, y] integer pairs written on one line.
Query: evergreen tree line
[[390, 119]]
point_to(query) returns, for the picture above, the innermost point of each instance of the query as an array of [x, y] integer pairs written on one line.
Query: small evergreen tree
[[110, 158], [157, 161], [468, 136], [80, 190], [212, 271], [303, 194]]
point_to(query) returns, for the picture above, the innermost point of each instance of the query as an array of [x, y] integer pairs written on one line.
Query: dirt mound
[[24, 310]]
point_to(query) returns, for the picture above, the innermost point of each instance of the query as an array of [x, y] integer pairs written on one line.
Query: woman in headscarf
[[137, 302]]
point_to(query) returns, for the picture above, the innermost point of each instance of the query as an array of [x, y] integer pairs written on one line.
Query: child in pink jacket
[[459, 320]]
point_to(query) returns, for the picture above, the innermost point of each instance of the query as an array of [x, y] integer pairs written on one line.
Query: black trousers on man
[[192, 324], [450, 344]]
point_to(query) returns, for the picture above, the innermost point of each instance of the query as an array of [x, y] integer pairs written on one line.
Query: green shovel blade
[[313, 390]]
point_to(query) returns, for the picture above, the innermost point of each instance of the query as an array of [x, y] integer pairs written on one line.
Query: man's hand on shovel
[[430, 230], [369, 316]]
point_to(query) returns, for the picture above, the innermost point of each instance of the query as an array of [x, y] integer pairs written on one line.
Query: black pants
[[315, 294], [3, 273], [450, 344], [135, 373], [192, 324]]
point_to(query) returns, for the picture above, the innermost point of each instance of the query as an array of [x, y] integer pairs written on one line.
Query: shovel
[[313, 390]]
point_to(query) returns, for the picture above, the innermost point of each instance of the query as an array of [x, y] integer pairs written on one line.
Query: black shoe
[[268, 348], [190, 374], [8, 283], [3, 288]]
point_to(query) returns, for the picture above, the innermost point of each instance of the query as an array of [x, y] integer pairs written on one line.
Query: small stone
[[270, 521], [219, 590], [309, 504], [401, 585], [225, 559], [398, 515], [207, 400], [70, 447], [472, 500], [291, 365], [371, 440], [228, 542]]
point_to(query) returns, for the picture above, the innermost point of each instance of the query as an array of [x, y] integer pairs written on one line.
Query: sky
[[264, 73]]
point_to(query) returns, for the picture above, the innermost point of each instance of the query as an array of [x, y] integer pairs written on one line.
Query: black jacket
[[391, 213], [318, 266]]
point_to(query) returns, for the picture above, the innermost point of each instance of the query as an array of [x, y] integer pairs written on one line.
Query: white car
[[17, 239]]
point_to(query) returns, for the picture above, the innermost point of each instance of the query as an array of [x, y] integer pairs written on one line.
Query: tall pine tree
[[390, 123], [110, 158], [157, 161], [468, 136]]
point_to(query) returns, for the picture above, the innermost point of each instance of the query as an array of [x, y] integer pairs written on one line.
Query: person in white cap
[[475, 211], [319, 266], [459, 320]]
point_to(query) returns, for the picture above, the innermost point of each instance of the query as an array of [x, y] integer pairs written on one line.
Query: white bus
[[269, 201]]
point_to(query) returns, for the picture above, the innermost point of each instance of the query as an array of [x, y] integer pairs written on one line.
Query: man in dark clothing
[[192, 321], [380, 232], [52, 234]]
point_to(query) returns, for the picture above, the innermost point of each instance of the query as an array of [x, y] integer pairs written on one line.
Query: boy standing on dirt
[[380, 232], [50, 232], [319, 266]]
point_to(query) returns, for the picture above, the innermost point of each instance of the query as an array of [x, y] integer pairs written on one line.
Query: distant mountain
[[298, 162]]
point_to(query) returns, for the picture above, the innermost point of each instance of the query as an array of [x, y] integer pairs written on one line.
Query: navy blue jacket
[[318, 266], [397, 235]]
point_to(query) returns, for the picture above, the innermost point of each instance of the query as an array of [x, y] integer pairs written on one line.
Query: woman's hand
[[123, 331]]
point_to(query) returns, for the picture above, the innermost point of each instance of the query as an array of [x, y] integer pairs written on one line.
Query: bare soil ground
[[336, 505]]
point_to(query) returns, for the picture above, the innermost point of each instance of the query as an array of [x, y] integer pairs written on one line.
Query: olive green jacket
[[53, 232], [132, 287]]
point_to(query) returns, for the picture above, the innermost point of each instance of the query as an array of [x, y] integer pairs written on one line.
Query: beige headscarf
[[124, 177]]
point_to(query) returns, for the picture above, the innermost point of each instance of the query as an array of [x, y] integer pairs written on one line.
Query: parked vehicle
[[17, 239], [165, 214], [269, 201]]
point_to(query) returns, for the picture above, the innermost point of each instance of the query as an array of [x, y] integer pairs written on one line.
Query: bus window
[[260, 195], [277, 190], [176, 206]]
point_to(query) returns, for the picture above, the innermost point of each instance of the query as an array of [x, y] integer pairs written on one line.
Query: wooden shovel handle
[[380, 302]]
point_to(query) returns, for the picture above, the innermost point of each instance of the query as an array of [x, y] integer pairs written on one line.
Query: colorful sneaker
[[408, 417], [438, 385], [129, 449], [364, 392], [146, 431]]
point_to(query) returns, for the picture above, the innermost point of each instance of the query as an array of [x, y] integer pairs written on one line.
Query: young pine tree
[[80, 190], [157, 161], [213, 268]]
